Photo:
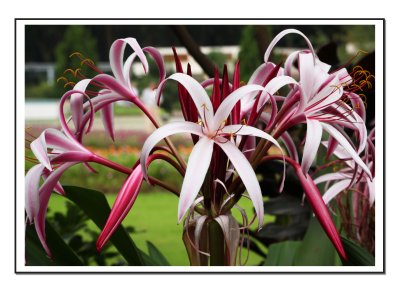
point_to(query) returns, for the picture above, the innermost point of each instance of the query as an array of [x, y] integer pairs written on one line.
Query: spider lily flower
[[211, 129], [113, 88], [65, 153], [316, 100]]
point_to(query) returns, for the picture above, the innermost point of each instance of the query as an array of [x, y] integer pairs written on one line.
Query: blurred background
[[49, 53]]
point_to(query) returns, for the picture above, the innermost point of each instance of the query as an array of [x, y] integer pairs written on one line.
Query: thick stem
[[216, 243]]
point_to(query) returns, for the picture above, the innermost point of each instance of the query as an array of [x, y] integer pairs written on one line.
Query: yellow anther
[[72, 84], [204, 106], [62, 78], [244, 122], [87, 60], [76, 54]]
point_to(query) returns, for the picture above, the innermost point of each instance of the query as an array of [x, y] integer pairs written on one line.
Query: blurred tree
[[78, 39]]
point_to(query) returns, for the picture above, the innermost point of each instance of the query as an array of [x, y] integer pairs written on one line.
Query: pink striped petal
[[123, 203], [225, 108], [107, 117], [252, 131], [320, 210], [196, 92], [116, 86], [290, 146], [346, 145], [76, 102], [58, 188], [335, 189], [163, 132], [32, 180], [313, 140], [279, 36], [117, 55], [197, 167], [155, 54], [248, 176], [44, 197]]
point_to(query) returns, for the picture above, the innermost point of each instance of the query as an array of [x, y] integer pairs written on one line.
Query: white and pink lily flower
[[211, 129]]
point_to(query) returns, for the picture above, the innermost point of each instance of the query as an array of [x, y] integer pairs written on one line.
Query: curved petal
[[114, 85], [44, 197], [371, 191], [196, 92], [123, 203], [290, 146], [249, 130], [346, 145], [32, 180], [313, 140], [280, 36], [163, 132], [197, 167], [107, 117], [55, 139], [155, 54], [76, 102], [117, 55], [335, 189], [331, 177], [230, 101], [248, 176]]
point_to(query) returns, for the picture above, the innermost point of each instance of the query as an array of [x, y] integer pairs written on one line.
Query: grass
[[154, 218]]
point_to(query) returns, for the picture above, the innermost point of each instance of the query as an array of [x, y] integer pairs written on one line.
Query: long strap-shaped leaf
[[96, 207]]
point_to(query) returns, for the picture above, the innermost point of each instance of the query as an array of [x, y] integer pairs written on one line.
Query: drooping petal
[[123, 203], [76, 102], [117, 54], [107, 117], [197, 167], [279, 36], [335, 189], [155, 54], [116, 86], [313, 140], [371, 191], [32, 180], [44, 197], [331, 177], [290, 146], [196, 92], [163, 132], [248, 176], [346, 145], [320, 210], [58, 188], [249, 130], [51, 138]]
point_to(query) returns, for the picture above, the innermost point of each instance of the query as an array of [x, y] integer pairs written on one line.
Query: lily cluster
[[232, 130]]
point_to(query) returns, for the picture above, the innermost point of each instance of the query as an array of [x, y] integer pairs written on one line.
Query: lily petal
[[44, 197], [279, 36], [196, 92], [313, 140], [123, 203], [335, 189], [346, 145], [249, 130], [225, 108], [197, 167], [107, 117], [117, 54], [32, 180], [163, 132], [248, 176]]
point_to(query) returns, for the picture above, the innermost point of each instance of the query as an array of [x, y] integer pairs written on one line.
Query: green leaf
[[156, 255], [282, 254], [316, 249], [62, 254], [95, 205], [357, 255]]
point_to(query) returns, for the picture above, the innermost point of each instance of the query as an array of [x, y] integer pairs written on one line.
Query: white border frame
[[20, 129]]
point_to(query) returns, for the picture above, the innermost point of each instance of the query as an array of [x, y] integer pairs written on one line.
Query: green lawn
[[154, 217]]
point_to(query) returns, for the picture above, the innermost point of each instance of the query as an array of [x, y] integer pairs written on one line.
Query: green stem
[[217, 244]]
